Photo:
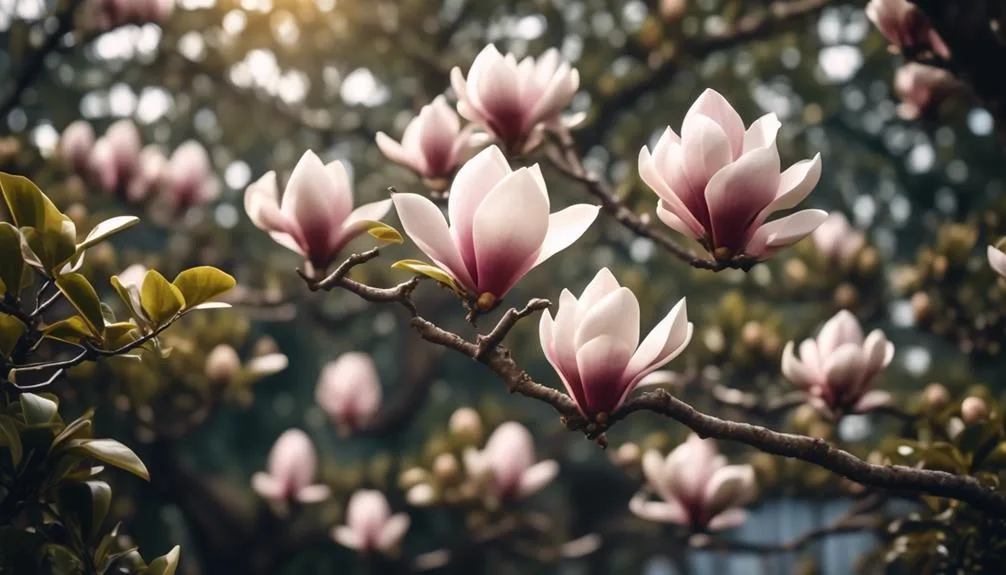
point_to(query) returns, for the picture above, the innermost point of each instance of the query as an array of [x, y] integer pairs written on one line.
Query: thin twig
[[488, 342]]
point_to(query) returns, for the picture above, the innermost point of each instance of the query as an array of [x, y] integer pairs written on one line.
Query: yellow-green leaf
[[113, 453], [201, 284], [80, 293], [119, 334], [165, 565], [161, 301], [27, 205], [130, 296], [106, 229], [382, 231], [430, 271], [48, 250], [11, 439], [38, 409], [11, 330], [11, 262], [70, 330]]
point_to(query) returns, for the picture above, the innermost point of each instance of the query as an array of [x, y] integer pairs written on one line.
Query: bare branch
[[402, 293], [488, 342]]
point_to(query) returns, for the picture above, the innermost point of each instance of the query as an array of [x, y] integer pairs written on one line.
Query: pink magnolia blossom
[[500, 225], [515, 102], [316, 218], [349, 390], [838, 367], [697, 488], [593, 343], [115, 156], [837, 241], [921, 88], [997, 259], [75, 145], [370, 527], [432, 144], [149, 173], [118, 12], [718, 183], [905, 26], [291, 471], [188, 177], [507, 463]]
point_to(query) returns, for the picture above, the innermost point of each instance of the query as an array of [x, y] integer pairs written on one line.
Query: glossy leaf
[[38, 409], [48, 250], [113, 453], [11, 262], [11, 330], [80, 293], [86, 504], [161, 300], [383, 232], [27, 205], [79, 428], [106, 229], [130, 296], [120, 334], [71, 330], [430, 271], [201, 284]]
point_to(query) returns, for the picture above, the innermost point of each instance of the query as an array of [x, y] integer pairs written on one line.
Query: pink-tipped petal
[[664, 342], [842, 328], [424, 223], [616, 315], [705, 149], [872, 400], [762, 132], [784, 232], [473, 182], [795, 370], [601, 362], [658, 511], [795, 184], [714, 106], [738, 193], [394, 151], [565, 227]]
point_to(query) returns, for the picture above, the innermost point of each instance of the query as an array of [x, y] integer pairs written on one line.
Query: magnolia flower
[[370, 526], [837, 241], [718, 183], [697, 488], [837, 368], [593, 343], [997, 259], [118, 12], [432, 144], [188, 177], [921, 87], [75, 145], [149, 171], [500, 226], [905, 26], [349, 390], [222, 363], [316, 218], [291, 471], [507, 464], [514, 101]]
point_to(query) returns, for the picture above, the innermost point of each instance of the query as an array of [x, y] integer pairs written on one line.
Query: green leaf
[[130, 296], [27, 205], [113, 453], [11, 439], [71, 330], [201, 284], [38, 409], [106, 229], [161, 301], [86, 504], [81, 294], [48, 250], [382, 231], [11, 330], [164, 565], [79, 428], [119, 334], [11, 262], [430, 271]]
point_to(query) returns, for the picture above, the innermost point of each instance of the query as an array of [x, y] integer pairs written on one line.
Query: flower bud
[[974, 410], [935, 396], [446, 467], [222, 363], [466, 425]]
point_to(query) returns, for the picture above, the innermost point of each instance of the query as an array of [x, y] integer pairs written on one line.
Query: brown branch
[[488, 342], [402, 293]]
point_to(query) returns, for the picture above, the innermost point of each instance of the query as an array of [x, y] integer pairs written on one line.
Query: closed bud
[[974, 410], [446, 467], [935, 396], [222, 363], [466, 425]]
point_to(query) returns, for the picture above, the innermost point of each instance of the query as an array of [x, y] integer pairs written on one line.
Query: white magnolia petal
[[424, 223], [565, 227], [997, 259], [536, 477]]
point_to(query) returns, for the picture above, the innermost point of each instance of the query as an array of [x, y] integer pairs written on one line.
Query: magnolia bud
[[974, 410], [935, 396], [222, 363], [751, 333], [446, 467], [628, 454], [466, 425]]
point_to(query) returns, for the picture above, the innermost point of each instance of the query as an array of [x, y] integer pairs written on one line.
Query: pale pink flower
[[149, 173], [593, 343], [75, 145], [507, 463], [718, 183], [500, 224], [837, 368], [115, 156], [922, 87], [997, 259], [370, 527], [837, 241], [905, 26], [316, 218], [515, 102], [349, 390], [432, 144], [188, 177], [291, 471], [697, 488]]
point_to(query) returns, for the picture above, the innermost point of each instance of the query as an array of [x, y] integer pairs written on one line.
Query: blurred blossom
[[75, 145], [905, 26], [113, 13], [115, 156], [837, 241], [974, 410], [697, 488], [673, 10], [189, 178], [593, 343], [290, 472], [997, 259], [500, 226], [370, 527], [149, 171], [837, 368], [349, 390], [718, 183], [433, 142], [222, 363], [515, 102], [466, 424], [316, 218], [507, 463], [921, 88]]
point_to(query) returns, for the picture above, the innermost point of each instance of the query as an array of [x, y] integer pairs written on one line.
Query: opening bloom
[[188, 177], [370, 526], [316, 218], [593, 343], [500, 225], [349, 390], [515, 102], [837, 241], [921, 88], [718, 183], [433, 142], [697, 488], [905, 26], [837, 369], [507, 464], [290, 471]]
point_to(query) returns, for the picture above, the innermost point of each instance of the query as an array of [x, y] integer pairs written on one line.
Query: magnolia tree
[[778, 376]]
